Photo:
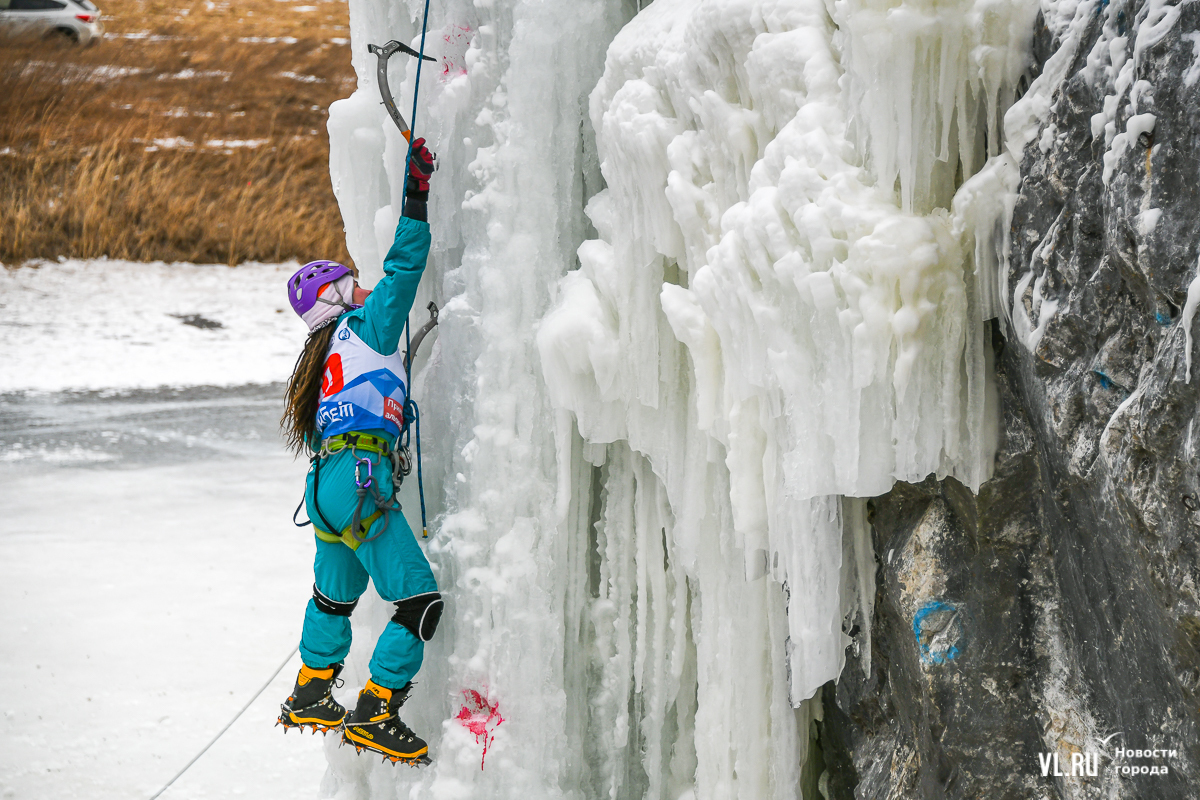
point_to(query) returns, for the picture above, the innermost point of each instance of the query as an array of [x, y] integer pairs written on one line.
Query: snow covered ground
[[150, 576], [122, 325]]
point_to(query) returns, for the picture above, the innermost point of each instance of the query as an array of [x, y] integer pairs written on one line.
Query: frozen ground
[[150, 576]]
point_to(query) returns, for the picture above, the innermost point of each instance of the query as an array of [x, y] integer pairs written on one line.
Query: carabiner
[[358, 476]]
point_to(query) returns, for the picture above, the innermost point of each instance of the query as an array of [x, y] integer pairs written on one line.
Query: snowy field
[[120, 325], [150, 576]]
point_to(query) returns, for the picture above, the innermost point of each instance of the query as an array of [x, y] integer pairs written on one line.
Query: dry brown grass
[[110, 151]]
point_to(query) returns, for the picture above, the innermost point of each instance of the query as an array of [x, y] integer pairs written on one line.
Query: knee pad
[[420, 614], [332, 607]]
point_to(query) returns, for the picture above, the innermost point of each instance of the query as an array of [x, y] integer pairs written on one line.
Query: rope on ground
[[236, 717]]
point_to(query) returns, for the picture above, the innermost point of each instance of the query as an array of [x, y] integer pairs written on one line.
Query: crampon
[[422, 760], [288, 725]]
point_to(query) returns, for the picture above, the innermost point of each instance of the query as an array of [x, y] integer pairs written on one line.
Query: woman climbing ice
[[346, 403]]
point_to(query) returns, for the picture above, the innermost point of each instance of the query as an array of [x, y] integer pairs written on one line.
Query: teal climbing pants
[[393, 561]]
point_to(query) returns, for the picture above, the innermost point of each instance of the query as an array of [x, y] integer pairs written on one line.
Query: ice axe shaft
[[382, 53]]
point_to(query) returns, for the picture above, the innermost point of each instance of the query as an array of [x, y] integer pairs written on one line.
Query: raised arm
[[381, 320]]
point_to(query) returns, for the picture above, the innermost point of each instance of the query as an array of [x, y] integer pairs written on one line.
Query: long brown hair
[[303, 393]]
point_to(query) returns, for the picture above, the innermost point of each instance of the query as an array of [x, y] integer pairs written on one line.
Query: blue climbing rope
[[420, 479], [412, 124], [415, 417]]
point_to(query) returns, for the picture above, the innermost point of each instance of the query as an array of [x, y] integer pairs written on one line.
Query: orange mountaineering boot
[[311, 704], [375, 725]]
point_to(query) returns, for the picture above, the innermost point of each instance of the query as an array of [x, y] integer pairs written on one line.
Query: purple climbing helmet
[[304, 290]]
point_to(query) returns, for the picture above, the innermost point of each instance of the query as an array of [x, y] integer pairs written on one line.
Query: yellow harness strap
[[356, 440], [345, 537]]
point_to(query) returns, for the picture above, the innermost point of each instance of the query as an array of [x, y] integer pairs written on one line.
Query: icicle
[[929, 80]]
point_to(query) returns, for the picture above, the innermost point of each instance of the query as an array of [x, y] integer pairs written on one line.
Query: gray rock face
[[1069, 615]]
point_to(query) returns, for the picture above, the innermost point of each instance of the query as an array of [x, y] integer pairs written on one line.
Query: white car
[[78, 20]]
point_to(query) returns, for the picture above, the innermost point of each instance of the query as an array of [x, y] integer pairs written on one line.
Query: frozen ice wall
[[702, 290]]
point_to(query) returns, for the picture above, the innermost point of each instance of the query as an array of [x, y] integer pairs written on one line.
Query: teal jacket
[[379, 323]]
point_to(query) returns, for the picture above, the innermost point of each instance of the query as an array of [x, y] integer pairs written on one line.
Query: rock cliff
[[1066, 618]]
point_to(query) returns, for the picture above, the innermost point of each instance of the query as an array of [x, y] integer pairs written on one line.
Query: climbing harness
[[356, 532], [358, 441]]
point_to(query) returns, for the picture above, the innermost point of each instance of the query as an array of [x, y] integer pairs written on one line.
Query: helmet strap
[[341, 301]]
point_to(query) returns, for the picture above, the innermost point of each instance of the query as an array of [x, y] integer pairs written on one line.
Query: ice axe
[[382, 53], [415, 344]]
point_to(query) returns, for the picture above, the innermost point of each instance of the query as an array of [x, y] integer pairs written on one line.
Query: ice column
[[832, 339], [505, 108]]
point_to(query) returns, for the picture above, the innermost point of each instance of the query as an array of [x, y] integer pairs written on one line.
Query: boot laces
[[392, 723], [327, 698], [395, 725]]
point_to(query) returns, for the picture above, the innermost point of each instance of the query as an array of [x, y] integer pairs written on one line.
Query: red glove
[[420, 167]]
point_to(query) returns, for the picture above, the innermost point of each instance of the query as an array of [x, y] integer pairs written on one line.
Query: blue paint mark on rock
[[1105, 381], [940, 630]]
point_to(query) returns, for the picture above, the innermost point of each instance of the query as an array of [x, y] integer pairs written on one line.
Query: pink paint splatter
[[457, 39], [480, 717]]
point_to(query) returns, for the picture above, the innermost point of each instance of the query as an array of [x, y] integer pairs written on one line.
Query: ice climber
[[346, 403]]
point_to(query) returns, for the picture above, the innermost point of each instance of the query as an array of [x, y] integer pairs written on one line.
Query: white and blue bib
[[361, 390]]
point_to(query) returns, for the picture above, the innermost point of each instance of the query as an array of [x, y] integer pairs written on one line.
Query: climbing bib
[[361, 389]]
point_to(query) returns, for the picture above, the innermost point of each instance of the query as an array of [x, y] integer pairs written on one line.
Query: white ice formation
[[708, 280]]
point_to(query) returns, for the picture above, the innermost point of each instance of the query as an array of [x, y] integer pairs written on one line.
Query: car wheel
[[65, 34]]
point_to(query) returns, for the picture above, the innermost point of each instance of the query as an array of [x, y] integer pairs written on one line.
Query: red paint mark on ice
[[457, 39], [481, 718]]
